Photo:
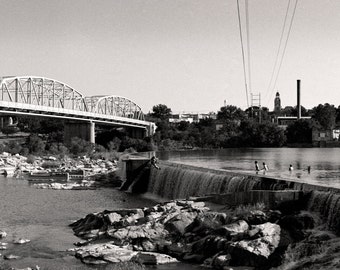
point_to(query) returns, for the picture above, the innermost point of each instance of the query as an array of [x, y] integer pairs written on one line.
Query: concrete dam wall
[[179, 181], [182, 181]]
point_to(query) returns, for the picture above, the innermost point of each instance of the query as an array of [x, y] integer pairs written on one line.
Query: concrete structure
[[38, 96], [285, 121], [180, 181]]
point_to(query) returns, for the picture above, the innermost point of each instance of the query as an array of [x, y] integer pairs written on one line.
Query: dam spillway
[[180, 181], [175, 181]]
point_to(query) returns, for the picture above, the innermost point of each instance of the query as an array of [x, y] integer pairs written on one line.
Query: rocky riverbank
[[192, 231], [50, 172]]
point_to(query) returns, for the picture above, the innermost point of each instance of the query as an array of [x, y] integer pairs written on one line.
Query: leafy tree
[[114, 144], [288, 111], [58, 149], [325, 115], [299, 132], [338, 116], [231, 112], [161, 111], [81, 147], [304, 112], [266, 134], [35, 144]]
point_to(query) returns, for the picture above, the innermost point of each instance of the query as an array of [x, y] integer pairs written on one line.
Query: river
[[324, 162], [43, 215]]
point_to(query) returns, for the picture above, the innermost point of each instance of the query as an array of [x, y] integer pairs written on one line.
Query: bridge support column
[[82, 130]]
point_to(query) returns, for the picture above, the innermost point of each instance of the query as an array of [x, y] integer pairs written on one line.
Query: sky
[[185, 54]]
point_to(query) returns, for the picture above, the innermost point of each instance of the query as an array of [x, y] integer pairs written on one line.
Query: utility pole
[[256, 101]]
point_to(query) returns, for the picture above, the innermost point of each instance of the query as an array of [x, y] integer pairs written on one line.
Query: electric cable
[[278, 50], [285, 47], [242, 47]]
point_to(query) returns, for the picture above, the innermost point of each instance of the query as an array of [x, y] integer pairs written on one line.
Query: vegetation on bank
[[232, 127]]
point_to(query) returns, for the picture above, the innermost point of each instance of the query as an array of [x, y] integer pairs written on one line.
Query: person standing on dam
[[265, 167], [291, 168], [257, 168], [154, 161]]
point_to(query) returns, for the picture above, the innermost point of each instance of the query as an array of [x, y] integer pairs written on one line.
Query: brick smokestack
[[298, 100]]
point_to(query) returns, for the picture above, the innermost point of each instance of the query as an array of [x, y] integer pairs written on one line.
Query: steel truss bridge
[[39, 96]]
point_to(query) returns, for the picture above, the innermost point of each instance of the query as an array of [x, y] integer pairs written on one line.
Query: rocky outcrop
[[179, 230], [254, 252]]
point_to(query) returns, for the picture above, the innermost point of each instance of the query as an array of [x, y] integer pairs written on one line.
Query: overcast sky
[[182, 53]]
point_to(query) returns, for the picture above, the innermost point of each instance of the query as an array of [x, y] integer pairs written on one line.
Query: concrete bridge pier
[[82, 130]]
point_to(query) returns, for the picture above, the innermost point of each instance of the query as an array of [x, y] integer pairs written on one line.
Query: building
[[191, 117], [277, 103]]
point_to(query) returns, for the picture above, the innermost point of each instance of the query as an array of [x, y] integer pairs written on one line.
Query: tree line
[[234, 127]]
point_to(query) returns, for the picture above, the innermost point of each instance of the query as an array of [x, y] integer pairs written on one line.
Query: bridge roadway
[[38, 96]]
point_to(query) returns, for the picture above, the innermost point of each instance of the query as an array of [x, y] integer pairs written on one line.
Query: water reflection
[[324, 162]]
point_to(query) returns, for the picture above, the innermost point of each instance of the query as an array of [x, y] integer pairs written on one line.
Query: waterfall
[[182, 181], [328, 205]]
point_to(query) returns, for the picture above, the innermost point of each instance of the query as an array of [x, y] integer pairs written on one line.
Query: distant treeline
[[232, 127]]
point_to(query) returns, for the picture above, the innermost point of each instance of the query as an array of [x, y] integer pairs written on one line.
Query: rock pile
[[185, 230], [83, 172]]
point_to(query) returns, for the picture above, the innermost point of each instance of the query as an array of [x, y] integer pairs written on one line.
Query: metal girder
[[117, 106], [41, 91], [51, 93]]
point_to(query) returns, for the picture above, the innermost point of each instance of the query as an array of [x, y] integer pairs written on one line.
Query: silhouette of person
[[257, 168], [308, 169], [291, 168], [154, 161], [265, 167]]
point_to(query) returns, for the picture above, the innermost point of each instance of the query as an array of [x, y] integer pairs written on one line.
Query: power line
[[243, 58], [278, 50], [248, 45], [285, 47]]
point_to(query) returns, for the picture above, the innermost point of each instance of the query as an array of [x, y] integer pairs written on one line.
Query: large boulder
[[220, 261], [91, 222], [256, 252], [178, 224], [209, 245], [104, 253], [150, 231], [152, 258], [207, 222], [234, 230]]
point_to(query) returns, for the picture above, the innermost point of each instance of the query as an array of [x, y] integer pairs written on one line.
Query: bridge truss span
[[117, 106], [38, 95], [41, 91]]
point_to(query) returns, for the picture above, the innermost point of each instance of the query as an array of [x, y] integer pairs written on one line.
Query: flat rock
[[21, 241], [152, 258], [97, 253], [11, 257]]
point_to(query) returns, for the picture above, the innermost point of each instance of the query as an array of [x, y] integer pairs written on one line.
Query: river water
[[43, 215], [324, 162]]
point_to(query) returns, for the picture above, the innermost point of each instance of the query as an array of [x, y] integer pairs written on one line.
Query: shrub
[[243, 211], [35, 144], [58, 149], [81, 147]]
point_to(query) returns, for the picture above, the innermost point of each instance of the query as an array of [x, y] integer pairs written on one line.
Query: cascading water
[[181, 181], [328, 205]]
